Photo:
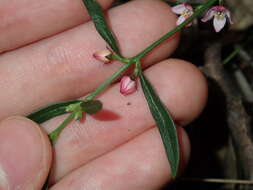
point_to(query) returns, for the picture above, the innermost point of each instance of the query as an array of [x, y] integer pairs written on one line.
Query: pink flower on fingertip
[[127, 85], [103, 55], [184, 10], [220, 15]]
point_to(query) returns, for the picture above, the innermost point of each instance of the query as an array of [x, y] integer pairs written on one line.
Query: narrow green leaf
[[165, 124], [51, 111], [92, 107], [46, 184], [97, 15]]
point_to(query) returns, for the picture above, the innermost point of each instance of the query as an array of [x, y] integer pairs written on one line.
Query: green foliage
[[97, 15], [51, 111], [165, 124], [91, 107]]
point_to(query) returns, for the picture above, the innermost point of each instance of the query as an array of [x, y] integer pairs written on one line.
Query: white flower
[[220, 14], [184, 10]]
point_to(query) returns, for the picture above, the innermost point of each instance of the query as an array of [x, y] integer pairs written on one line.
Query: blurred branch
[[213, 180], [237, 118]]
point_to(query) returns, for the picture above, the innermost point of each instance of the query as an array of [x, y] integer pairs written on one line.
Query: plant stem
[[108, 81], [171, 3], [198, 11], [128, 62], [231, 56], [55, 134]]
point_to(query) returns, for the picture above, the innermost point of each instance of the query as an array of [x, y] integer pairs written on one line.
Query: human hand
[[118, 148]]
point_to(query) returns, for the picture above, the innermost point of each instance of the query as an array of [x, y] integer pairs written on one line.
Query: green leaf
[[97, 15], [51, 111], [92, 106], [165, 124], [46, 184]]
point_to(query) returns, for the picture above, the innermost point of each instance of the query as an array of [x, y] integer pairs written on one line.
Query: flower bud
[[103, 55], [127, 85]]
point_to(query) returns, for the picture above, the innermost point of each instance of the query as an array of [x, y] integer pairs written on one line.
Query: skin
[[118, 148]]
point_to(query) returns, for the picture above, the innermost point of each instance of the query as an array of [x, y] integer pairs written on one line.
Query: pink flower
[[184, 10], [127, 85], [103, 55], [220, 14]]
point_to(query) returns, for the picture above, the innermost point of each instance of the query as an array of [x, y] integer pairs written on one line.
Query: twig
[[244, 55], [216, 180], [244, 85], [237, 118]]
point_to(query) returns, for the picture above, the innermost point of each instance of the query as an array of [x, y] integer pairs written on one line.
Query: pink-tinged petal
[[127, 85], [188, 6], [180, 20], [190, 14], [179, 9], [219, 23], [218, 8], [228, 14], [208, 16], [102, 55]]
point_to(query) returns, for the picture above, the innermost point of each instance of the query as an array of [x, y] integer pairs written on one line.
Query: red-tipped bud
[[127, 85], [102, 55]]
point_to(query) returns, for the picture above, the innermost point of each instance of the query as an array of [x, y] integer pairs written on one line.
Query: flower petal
[[188, 6], [179, 9], [102, 55], [180, 20], [219, 8], [219, 23], [208, 16], [228, 14], [127, 85]]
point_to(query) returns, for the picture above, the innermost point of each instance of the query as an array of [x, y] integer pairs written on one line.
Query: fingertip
[[182, 86], [25, 154], [139, 36]]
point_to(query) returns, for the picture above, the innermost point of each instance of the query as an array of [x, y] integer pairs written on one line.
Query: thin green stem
[[129, 61], [108, 81], [220, 2], [120, 58], [55, 134], [198, 11], [231, 56], [171, 3]]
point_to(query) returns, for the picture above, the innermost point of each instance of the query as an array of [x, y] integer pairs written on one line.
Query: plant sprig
[[160, 113]]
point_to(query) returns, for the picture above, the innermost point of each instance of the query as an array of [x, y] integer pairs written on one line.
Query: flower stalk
[[138, 57], [198, 12], [55, 134]]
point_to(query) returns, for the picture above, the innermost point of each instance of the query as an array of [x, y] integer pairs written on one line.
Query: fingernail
[[20, 152]]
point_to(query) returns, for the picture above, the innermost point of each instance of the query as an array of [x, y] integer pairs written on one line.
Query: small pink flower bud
[[127, 85], [102, 55]]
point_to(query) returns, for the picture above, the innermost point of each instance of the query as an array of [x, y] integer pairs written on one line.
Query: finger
[[63, 68], [138, 164], [25, 154], [181, 87], [34, 20]]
